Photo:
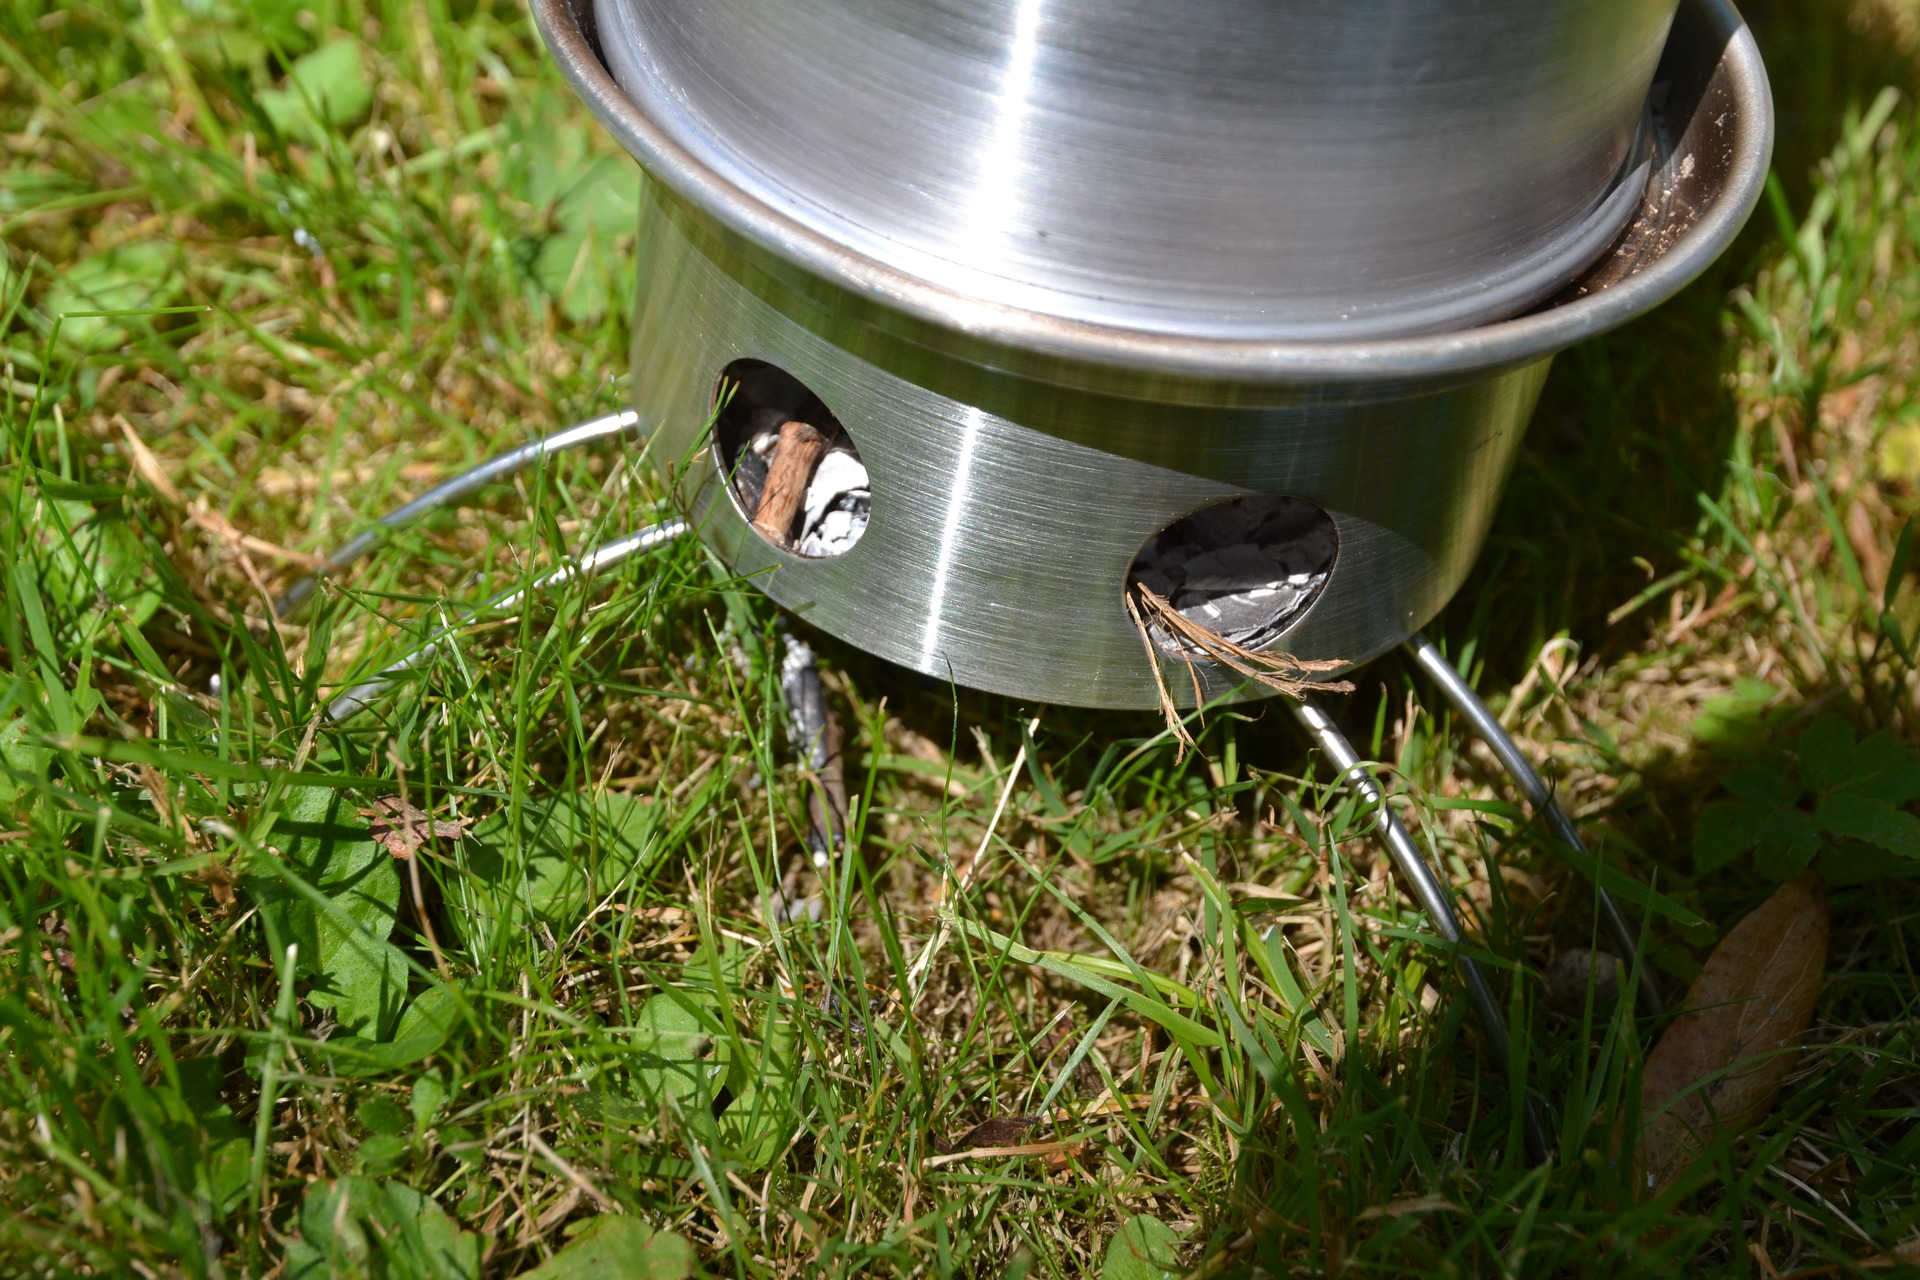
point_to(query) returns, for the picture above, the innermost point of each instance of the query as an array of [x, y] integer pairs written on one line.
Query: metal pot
[[1020, 462], [1273, 169]]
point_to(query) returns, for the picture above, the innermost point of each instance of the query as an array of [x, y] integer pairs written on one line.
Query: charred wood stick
[[795, 455]]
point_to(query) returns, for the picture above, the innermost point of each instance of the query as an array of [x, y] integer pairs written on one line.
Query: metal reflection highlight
[[993, 205], [958, 498]]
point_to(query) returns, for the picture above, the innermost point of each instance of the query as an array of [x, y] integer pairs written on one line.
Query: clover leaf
[[1825, 796]]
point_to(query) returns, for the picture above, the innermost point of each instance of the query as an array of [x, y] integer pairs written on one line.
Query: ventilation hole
[[1246, 569], [792, 469]]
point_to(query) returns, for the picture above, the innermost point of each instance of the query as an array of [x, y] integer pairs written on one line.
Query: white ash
[[839, 499], [1245, 570], [838, 505]]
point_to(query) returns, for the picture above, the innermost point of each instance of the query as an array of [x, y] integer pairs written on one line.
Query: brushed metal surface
[[1718, 111], [1224, 168], [1006, 513], [1019, 460]]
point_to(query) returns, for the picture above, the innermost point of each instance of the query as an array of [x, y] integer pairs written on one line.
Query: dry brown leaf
[[1721, 1063], [219, 879], [1000, 1131], [1067, 1157], [402, 828]]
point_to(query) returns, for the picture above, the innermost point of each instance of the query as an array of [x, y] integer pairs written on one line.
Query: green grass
[[368, 244]]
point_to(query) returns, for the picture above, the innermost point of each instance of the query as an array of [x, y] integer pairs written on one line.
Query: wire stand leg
[[626, 422], [1538, 796], [1430, 893], [605, 556]]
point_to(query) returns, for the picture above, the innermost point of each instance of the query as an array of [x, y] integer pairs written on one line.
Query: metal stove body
[[1008, 506], [1019, 459]]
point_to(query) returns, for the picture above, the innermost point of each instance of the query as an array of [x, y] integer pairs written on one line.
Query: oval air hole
[[1246, 569], [791, 468]]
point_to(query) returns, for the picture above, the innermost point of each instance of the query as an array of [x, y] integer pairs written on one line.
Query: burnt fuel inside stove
[[792, 469], [1246, 570]]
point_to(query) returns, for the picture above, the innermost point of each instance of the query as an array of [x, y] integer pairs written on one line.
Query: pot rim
[[564, 26]]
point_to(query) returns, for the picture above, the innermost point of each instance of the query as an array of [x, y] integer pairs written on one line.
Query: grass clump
[[271, 269]]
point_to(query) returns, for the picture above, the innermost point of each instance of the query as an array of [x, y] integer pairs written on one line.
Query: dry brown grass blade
[[239, 541], [1902, 1257], [1175, 724], [148, 467], [1279, 671], [1722, 1062], [1432, 1203], [1067, 1148]]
